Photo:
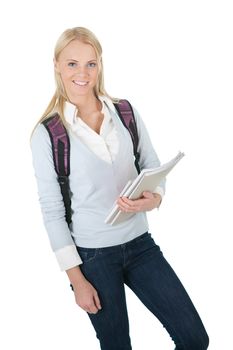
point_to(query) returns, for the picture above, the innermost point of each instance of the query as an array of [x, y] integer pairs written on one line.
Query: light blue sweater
[[95, 185]]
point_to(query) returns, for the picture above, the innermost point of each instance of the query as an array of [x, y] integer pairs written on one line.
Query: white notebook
[[147, 180]]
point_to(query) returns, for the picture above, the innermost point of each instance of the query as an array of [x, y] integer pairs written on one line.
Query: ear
[[56, 65]]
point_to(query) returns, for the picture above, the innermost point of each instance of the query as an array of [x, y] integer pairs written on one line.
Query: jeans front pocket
[[87, 254]]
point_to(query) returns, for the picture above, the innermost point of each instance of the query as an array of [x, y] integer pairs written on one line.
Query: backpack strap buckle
[[63, 180]]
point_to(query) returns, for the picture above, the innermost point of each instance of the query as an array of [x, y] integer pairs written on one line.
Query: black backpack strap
[[61, 157], [126, 114]]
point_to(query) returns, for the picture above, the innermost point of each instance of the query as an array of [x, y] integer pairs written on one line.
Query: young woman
[[99, 258]]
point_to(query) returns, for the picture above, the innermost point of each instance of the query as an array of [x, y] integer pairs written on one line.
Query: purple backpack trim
[[60, 144], [126, 114], [61, 158]]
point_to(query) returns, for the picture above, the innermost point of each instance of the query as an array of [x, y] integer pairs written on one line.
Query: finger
[[120, 201], [129, 209], [131, 206], [122, 205], [137, 204], [147, 194], [97, 301], [92, 309], [128, 201]]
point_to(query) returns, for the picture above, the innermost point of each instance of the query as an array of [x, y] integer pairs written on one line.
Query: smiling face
[[78, 69]]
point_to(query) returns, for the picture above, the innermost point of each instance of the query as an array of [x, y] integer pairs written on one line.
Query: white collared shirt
[[106, 143]]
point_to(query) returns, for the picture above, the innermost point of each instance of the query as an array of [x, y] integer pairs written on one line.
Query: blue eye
[[71, 64], [92, 64]]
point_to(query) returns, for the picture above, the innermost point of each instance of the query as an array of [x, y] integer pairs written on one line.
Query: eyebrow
[[71, 59]]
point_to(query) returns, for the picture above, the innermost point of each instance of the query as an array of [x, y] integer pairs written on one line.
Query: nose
[[82, 71]]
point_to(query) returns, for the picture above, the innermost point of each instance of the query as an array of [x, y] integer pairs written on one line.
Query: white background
[[173, 61]]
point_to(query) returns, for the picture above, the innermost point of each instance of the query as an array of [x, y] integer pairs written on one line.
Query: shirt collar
[[71, 111], [108, 102]]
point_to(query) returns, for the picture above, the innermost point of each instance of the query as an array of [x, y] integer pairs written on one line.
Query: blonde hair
[[58, 100]]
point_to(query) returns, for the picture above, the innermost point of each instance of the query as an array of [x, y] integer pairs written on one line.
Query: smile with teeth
[[80, 83]]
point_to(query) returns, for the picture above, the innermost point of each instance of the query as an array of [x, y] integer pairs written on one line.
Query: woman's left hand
[[147, 202]]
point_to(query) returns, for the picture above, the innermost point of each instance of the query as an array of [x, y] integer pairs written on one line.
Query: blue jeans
[[140, 265]]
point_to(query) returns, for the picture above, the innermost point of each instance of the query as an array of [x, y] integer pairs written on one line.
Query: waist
[[116, 247]]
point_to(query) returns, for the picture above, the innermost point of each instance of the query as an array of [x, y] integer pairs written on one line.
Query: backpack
[[61, 147]]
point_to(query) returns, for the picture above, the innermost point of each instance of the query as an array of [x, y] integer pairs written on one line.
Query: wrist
[[75, 275]]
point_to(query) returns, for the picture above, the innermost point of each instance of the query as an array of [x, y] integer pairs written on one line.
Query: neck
[[80, 101], [86, 105]]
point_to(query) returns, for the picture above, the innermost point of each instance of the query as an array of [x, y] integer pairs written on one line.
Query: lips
[[80, 83]]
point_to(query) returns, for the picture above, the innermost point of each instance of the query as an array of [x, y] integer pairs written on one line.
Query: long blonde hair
[[58, 100]]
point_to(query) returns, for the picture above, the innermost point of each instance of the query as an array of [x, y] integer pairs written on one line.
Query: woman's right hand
[[86, 296]]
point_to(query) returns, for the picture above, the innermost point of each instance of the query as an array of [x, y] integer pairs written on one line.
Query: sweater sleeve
[[51, 201], [148, 155]]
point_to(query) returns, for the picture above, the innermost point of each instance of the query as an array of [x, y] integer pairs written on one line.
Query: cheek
[[94, 76], [66, 78], [65, 75]]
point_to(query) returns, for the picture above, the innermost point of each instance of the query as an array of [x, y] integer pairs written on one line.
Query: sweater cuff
[[68, 257]]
